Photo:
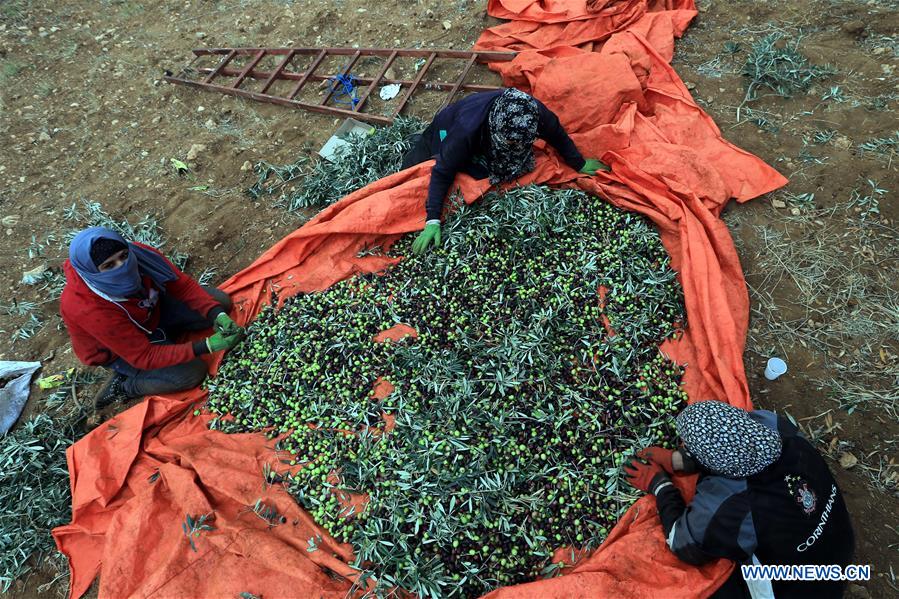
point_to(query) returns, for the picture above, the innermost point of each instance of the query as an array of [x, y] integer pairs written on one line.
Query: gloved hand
[[683, 462], [646, 477], [659, 455], [591, 165], [430, 233], [226, 326], [218, 341]]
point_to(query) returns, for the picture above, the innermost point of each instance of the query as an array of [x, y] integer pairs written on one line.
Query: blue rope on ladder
[[344, 86]]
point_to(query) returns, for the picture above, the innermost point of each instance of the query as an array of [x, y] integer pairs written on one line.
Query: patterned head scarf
[[513, 120], [726, 440]]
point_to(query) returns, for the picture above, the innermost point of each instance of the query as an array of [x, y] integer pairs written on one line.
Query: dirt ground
[[85, 115]]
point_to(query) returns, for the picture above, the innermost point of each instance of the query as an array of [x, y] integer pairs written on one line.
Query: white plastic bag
[[14, 394]]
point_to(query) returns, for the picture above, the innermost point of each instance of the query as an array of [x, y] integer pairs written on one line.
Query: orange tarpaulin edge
[[136, 477]]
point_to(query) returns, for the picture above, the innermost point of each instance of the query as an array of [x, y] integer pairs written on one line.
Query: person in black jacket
[[486, 135], [764, 496]]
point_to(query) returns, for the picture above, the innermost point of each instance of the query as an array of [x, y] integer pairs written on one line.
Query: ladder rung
[[246, 70], [220, 66], [349, 66], [460, 80], [374, 82], [309, 71], [415, 82], [277, 72]]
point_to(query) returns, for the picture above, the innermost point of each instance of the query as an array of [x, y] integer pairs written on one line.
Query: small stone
[[157, 119], [854, 27], [795, 211], [201, 108], [390, 73], [210, 124], [194, 151], [847, 460], [447, 25], [200, 34], [778, 204], [877, 52], [44, 136], [842, 142], [689, 85], [246, 166]]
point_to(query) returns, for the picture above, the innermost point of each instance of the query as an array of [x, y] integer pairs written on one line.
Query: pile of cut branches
[[34, 492], [365, 159]]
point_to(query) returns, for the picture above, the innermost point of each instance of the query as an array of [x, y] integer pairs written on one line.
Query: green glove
[[226, 326], [591, 165], [218, 342], [431, 233]]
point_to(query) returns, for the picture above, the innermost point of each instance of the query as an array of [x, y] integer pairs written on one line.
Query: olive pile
[[513, 409]]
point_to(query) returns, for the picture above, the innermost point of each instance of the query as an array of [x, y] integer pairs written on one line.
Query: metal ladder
[[226, 80]]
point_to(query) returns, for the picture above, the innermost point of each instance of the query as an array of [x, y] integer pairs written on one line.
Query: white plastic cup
[[775, 368]]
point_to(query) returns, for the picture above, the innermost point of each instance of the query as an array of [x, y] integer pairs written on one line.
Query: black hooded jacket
[[790, 513]]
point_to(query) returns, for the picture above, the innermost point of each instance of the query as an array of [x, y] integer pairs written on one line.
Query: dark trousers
[[420, 149], [175, 318]]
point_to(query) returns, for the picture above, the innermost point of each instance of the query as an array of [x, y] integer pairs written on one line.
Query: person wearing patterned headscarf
[[123, 305], [764, 496], [487, 135]]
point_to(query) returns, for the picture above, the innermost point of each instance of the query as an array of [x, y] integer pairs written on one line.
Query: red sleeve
[[85, 346], [186, 289], [112, 328]]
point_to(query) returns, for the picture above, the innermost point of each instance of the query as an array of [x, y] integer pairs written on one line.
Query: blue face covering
[[124, 281]]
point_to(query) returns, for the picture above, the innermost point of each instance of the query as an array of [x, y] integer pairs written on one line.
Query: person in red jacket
[[124, 304]]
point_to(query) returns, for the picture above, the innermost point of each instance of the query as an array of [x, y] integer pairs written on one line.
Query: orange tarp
[[603, 67]]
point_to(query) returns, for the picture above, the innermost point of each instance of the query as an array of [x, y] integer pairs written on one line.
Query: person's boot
[[113, 390]]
